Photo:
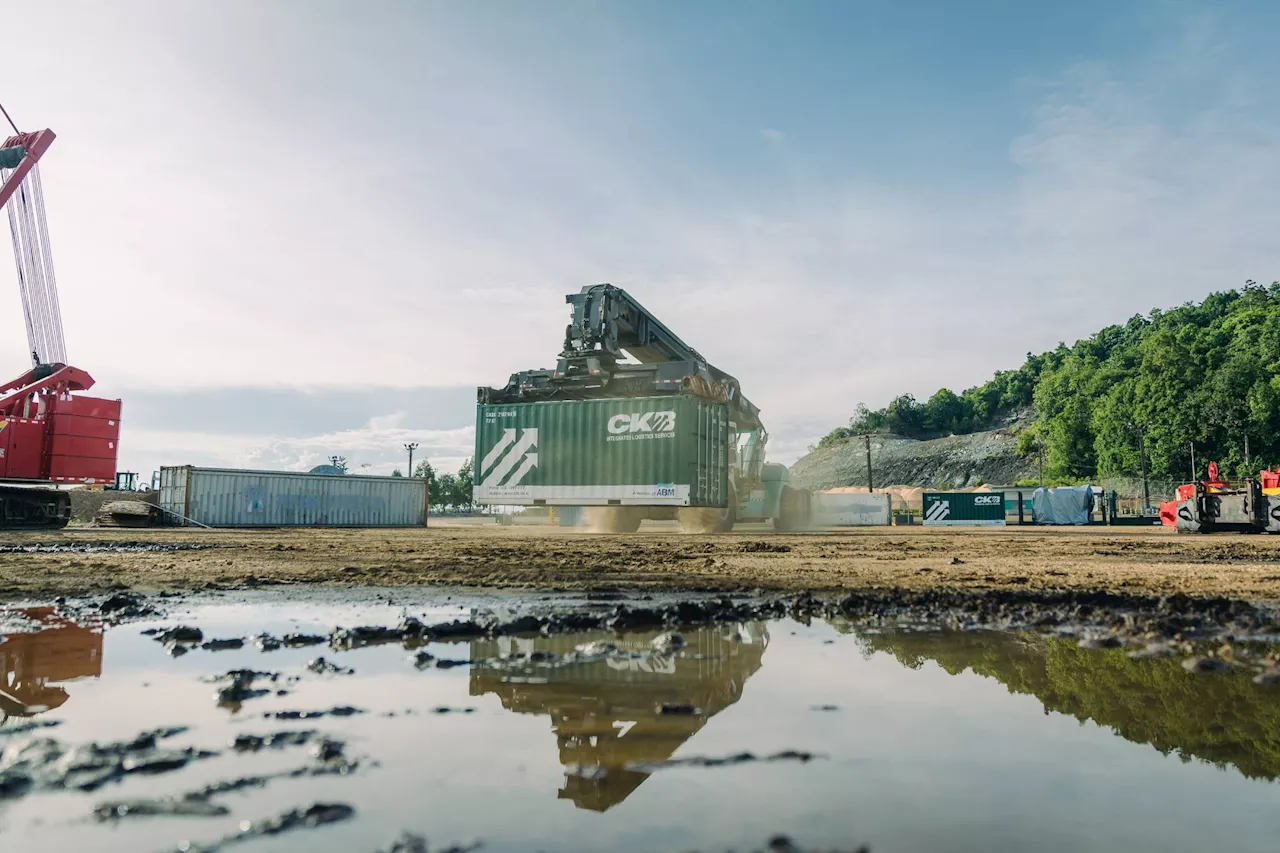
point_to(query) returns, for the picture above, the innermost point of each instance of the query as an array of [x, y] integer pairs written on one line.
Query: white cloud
[[297, 251], [381, 423], [381, 449]]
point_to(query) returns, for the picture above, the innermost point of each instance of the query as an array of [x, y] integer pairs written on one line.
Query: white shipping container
[[851, 509], [224, 497]]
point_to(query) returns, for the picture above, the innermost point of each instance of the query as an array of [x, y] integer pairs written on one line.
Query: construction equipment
[[33, 665], [50, 433], [1217, 506], [623, 383]]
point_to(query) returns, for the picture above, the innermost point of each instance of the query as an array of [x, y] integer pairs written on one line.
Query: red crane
[[50, 433]]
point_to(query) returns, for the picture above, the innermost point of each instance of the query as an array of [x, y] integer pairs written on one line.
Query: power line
[[6, 118]]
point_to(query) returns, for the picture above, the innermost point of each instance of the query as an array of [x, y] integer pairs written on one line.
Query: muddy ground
[[1131, 561]]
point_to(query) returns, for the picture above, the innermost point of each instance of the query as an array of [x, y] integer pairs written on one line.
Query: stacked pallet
[[126, 514]]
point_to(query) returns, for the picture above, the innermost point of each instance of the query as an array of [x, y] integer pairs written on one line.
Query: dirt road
[[1118, 559]]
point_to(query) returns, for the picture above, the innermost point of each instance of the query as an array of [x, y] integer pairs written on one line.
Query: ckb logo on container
[[625, 427]]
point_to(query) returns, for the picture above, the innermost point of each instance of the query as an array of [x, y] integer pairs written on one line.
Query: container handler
[[634, 424], [1217, 506]]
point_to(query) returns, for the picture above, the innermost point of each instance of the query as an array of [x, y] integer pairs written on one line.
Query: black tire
[[793, 511]]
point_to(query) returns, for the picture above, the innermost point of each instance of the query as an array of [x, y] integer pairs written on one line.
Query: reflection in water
[[1225, 719], [604, 713], [32, 663]]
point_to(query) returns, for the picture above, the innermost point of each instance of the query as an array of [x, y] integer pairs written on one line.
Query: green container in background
[[957, 509], [639, 451]]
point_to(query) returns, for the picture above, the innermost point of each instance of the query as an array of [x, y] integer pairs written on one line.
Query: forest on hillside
[[1206, 373]]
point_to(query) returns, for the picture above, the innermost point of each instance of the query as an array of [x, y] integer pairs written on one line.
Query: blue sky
[[289, 229]]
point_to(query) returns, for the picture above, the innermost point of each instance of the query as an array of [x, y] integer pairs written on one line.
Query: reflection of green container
[[942, 509], [643, 451]]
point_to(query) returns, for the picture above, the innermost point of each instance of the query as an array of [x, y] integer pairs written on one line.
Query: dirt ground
[[1118, 559]]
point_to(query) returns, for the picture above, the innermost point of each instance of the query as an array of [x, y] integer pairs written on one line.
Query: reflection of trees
[[603, 712], [1224, 719], [32, 663]]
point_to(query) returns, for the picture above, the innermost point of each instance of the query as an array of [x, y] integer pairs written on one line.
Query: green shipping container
[[642, 451], [962, 508]]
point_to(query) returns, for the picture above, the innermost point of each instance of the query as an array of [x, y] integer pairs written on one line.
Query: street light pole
[[411, 446]]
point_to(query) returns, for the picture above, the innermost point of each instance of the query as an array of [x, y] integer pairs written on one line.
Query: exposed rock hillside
[[953, 462]]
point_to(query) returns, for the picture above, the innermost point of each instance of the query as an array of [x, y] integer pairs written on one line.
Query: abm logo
[[646, 422]]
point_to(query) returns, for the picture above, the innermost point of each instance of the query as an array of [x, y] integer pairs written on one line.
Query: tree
[[865, 421], [1206, 372], [1029, 443], [424, 471], [339, 462], [945, 413], [462, 484], [904, 416], [397, 473], [446, 490]]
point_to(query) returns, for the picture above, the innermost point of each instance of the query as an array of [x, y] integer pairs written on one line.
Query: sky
[[292, 229]]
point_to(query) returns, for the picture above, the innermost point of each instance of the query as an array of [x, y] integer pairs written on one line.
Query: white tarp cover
[[1063, 505], [851, 509]]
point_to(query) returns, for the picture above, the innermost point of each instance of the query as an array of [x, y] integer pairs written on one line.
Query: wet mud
[[336, 718], [102, 547]]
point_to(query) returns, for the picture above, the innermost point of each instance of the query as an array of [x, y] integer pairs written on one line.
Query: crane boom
[[50, 432], [19, 156], [608, 318], [22, 194], [608, 325]]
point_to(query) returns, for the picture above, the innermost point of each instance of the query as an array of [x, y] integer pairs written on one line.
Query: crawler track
[[23, 508]]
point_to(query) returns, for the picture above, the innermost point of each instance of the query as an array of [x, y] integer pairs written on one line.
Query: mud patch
[[103, 547], [651, 716]]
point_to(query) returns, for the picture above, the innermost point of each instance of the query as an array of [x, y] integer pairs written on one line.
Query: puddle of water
[[901, 741]]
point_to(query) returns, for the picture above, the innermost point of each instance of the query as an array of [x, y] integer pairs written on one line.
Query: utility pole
[[411, 446], [870, 481], [1193, 461], [1040, 453], [1246, 454]]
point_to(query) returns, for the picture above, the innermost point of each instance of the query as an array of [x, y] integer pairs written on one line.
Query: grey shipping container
[[224, 497]]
